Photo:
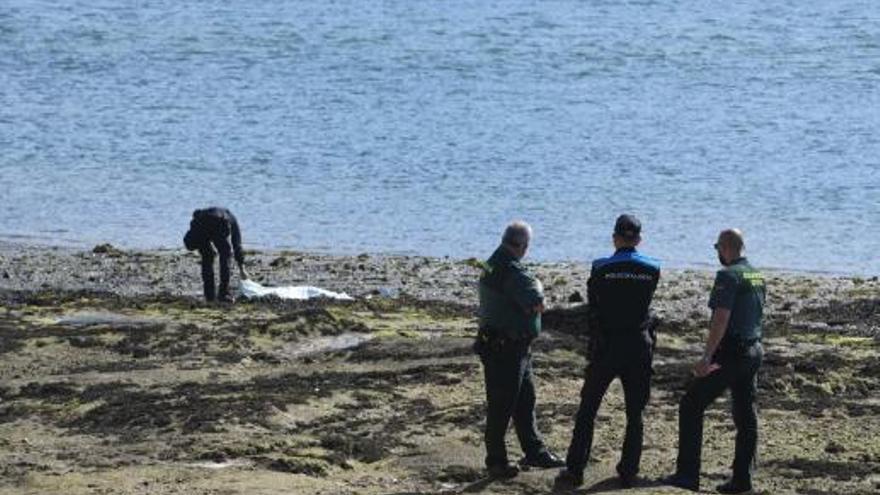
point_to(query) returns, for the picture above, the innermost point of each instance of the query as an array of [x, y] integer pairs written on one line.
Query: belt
[[738, 345], [496, 338]]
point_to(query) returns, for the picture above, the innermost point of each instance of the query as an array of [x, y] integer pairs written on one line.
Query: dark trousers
[[739, 371], [634, 371], [510, 393], [207, 253]]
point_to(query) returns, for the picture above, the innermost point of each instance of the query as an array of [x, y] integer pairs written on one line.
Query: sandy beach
[[116, 378]]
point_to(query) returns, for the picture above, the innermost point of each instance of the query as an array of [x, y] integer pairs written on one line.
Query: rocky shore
[[116, 378]]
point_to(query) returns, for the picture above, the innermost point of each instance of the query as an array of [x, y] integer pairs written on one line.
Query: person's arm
[[526, 291], [596, 339], [236, 248], [717, 329], [653, 321], [721, 301], [593, 304]]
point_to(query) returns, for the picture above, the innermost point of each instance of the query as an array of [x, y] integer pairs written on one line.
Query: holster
[[733, 349], [650, 327], [483, 341]]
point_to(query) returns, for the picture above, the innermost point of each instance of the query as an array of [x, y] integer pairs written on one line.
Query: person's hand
[[705, 367], [538, 308]]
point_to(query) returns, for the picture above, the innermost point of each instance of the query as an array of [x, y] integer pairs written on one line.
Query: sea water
[[409, 126]]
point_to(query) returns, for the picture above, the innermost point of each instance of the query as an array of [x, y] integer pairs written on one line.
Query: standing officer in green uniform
[[511, 303], [731, 360]]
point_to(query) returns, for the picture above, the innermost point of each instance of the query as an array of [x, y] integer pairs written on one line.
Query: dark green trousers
[[738, 373], [510, 394]]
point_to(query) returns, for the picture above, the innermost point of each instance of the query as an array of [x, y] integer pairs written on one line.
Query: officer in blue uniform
[[511, 303], [210, 229], [731, 360], [621, 344]]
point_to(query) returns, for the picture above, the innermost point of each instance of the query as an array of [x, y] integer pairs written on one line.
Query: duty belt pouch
[[743, 346], [481, 342], [487, 340]]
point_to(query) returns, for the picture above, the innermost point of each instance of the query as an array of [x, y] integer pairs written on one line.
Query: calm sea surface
[[424, 126]]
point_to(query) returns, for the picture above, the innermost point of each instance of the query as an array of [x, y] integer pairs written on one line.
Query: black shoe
[[626, 480], [680, 481], [567, 480], [544, 460], [732, 487], [503, 471]]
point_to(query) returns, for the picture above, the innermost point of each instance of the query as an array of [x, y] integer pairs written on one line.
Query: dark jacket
[[215, 225], [508, 293], [619, 292]]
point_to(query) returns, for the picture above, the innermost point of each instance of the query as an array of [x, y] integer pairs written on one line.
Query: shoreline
[[8, 245], [681, 296]]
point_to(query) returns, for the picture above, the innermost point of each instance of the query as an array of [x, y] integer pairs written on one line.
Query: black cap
[[627, 226]]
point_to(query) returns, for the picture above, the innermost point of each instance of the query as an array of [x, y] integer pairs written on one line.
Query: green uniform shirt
[[507, 295], [740, 288]]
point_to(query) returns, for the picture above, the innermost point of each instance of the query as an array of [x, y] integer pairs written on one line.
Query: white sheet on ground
[[251, 289]]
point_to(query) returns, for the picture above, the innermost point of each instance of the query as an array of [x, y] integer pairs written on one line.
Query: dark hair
[[628, 227]]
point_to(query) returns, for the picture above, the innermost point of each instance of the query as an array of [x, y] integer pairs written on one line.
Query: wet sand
[[116, 378]]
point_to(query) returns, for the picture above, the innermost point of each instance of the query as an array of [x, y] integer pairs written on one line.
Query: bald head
[[732, 238], [517, 237], [730, 245]]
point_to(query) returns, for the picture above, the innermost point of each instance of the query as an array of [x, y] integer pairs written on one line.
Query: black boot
[[568, 480], [503, 471], [733, 487], [627, 480], [680, 481]]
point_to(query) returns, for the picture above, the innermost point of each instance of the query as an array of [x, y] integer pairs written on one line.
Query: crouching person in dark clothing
[[511, 303], [216, 226], [621, 331]]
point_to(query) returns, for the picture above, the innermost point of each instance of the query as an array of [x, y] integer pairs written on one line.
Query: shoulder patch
[[754, 279], [647, 260]]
